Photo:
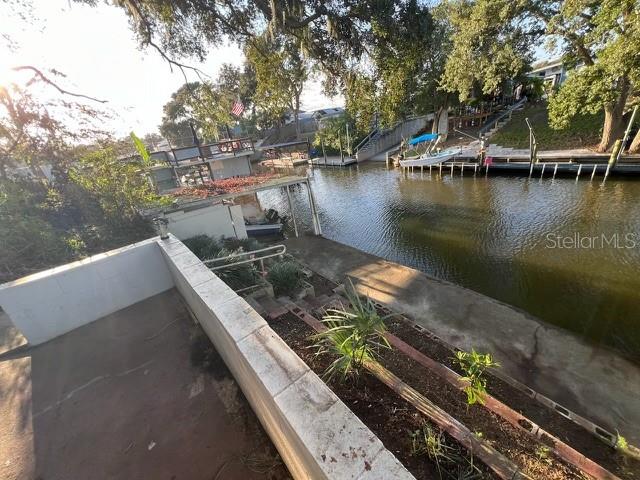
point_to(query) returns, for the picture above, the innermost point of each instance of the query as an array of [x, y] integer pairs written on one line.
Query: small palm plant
[[354, 335], [475, 365]]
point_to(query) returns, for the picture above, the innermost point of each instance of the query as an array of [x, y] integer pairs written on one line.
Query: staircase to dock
[[379, 141], [495, 123]]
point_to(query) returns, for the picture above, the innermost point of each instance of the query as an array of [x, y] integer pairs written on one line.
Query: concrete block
[[215, 291], [273, 362], [197, 274], [384, 467], [339, 442], [184, 259], [173, 248], [237, 316]]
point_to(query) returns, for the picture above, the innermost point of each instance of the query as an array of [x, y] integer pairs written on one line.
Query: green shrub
[[475, 365], [238, 276], [246, 244], [354, 335], [285, 276], [203, 246]]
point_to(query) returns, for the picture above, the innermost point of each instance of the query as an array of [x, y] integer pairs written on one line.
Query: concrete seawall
[[593, 382]]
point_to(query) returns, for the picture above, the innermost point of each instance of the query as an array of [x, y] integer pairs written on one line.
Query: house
[[553, 72]]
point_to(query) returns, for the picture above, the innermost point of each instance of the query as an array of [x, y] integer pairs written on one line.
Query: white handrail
[[279, 250]]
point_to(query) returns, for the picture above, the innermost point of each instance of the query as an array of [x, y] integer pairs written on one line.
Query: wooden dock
[[332, 161], [579, 162]]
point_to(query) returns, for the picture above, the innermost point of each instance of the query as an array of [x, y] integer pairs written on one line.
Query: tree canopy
[[493, 41]]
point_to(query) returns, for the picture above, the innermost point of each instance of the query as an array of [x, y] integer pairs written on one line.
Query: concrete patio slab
[[121, 398]]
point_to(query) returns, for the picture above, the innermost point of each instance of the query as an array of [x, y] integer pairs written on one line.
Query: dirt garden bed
[[556, 424], [393, 419], [393, 423], [390, 417]]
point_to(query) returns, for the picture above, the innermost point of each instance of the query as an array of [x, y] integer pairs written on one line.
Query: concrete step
[[271, 308]]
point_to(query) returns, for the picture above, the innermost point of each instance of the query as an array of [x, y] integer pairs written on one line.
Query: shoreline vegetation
[[582, 132]]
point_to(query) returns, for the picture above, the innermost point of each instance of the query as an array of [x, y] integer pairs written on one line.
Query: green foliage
[[121, 188], [489, 46], [409, 46], [237, 277], [475, 365], [92, 208], [493, 41], [584, 92], [621, 443], [285, 276], [203, 246], [332, 132], [583, 130], [354, 336], [544, 454], [207, 105], [450, 460], [141, 149], [281, 72]]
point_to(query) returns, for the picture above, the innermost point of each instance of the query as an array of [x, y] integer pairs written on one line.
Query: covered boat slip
[[286, 182]]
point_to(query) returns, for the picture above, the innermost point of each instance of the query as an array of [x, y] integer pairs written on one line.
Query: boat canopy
[[426, 137]]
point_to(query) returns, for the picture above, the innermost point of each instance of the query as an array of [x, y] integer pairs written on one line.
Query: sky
[[96, 49]]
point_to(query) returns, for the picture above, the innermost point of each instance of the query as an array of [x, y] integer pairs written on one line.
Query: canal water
[[567, 252]]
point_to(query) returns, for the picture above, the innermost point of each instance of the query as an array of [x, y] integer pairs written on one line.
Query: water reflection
[[493, 235]]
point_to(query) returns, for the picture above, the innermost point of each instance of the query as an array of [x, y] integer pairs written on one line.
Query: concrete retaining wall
[[231, 167], [213, 220], [317, 436], [47, 304]]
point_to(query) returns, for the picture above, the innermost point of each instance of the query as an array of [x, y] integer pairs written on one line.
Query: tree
[[207, 105], [281, 72], [606, 40], [326, 31], [199, 104], [407, 49], [491, 43], [493, 40], [31, 133]]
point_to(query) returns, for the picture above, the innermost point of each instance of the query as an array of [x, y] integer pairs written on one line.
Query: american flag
[[237, 108]]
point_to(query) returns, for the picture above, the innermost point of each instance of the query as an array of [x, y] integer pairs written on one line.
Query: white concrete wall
[[231, 167], [318, 437], [50, 303], [214, 220]]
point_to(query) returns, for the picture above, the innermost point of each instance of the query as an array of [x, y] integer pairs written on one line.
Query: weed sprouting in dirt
[[475, 365], [451, 461]]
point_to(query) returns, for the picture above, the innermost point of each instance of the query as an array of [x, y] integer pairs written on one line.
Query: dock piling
[[555, 170], [440, 168], [593, 174], [293, 215], [452, 169], [579, 170], [542, 172]]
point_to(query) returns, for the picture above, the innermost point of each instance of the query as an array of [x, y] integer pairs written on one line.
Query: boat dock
[[579, 162], [332, 161]]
